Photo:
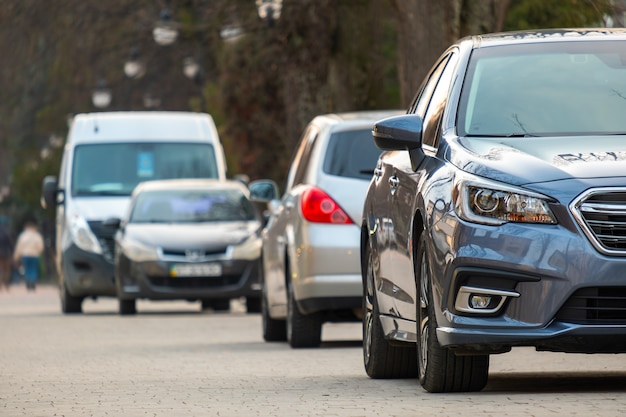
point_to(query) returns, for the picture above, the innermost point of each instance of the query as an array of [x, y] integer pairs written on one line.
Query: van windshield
[[116, 168]]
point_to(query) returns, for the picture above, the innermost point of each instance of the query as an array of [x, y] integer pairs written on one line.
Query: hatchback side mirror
[[263, 190]]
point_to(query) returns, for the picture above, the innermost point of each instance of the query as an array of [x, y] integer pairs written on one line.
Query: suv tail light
[[317, 206]]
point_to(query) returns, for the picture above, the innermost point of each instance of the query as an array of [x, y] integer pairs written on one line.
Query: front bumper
[[153, 280], [571, 298], [558, 336], [87, 274]]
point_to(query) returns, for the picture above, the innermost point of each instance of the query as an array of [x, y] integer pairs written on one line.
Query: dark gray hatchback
[[496, 216], [190, 239]]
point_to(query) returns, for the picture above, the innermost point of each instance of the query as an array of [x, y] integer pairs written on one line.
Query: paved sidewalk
[[172, 360]]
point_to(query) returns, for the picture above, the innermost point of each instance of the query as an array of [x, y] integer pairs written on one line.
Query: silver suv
[[311, 261]]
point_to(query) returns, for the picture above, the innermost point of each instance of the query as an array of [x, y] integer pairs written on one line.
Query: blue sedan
[[496, 216]]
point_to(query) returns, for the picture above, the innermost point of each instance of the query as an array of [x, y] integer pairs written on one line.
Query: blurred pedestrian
[[6, 253], [28, 250]]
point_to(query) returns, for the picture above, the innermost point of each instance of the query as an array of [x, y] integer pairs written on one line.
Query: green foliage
[[320, 56], [537, 14]]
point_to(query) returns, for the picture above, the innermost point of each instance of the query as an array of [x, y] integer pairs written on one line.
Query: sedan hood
[[520, 161], [190, 235]]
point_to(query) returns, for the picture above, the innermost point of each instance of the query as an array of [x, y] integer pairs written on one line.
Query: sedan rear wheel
[[381, 358], [440, 370]]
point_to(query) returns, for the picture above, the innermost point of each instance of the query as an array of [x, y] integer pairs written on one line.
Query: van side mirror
[[263, 190], [49, 191]]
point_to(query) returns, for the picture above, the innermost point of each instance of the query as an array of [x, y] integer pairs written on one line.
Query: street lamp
[[191, 68], [134, 68], [150, 102], [165, 33], [231, 33], [269, 10], [101, 95]]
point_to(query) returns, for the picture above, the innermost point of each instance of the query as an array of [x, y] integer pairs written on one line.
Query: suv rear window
[[351, 154]]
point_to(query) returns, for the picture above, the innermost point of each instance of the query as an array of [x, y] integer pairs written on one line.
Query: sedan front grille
[[598, 305], [602, 215]]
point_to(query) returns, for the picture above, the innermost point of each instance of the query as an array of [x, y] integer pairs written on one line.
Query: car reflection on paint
[[191, 240], [496, 216]]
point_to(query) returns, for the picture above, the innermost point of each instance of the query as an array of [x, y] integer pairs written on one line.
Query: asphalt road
[[172, 360]]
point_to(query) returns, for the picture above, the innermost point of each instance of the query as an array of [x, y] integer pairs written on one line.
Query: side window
[[298, 166], [423, 98], [434, 113]]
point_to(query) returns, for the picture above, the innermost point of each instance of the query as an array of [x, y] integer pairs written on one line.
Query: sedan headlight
[[82, 236], [482, 201], [137, 251]]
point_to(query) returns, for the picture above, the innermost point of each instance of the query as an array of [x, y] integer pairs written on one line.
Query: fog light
[[482, 300]]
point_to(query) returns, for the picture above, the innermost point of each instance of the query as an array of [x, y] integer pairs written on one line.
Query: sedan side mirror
[[399, 133]]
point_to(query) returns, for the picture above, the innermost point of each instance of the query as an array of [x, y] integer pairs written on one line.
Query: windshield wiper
[[101, 193], [508, 135]]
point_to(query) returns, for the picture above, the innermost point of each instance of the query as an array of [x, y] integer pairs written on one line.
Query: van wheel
[[69, 303], [440, 370], [127, 307]]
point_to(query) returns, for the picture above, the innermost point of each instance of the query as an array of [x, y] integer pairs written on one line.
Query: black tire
[[69, 303], [253, 305], [217, 304], [440, 370], [274, 330], [382, 360], [127, 307], [303, 330]]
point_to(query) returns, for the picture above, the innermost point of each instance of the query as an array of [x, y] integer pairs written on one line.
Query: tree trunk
[[427, 27]]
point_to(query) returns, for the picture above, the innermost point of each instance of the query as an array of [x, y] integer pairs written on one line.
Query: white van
[[106, 155]]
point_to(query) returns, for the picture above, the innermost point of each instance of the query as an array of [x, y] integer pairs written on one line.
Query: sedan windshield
[[545, 89], [183, 206]]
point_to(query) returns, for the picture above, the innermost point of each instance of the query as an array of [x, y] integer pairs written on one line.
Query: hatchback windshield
[[545, 89], [116, 168], [191, 206]]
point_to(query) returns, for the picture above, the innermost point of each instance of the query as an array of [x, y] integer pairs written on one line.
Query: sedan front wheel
[[440, 370]]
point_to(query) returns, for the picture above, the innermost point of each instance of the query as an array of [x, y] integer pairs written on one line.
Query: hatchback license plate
[[196, 270]]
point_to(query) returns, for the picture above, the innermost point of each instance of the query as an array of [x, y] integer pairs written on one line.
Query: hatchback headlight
[[249, 249], [137, 251], [482, 201]]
